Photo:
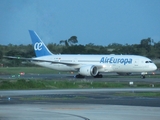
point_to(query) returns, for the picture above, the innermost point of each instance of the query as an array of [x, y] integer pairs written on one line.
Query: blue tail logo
[[39, 47]]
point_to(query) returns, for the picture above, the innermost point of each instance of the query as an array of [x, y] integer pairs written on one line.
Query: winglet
[[39, 47]]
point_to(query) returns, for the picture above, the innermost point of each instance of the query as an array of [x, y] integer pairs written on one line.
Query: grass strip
[[138, 94], [22, 84]]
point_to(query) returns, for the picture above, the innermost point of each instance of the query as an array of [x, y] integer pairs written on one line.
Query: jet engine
[[89, 70]]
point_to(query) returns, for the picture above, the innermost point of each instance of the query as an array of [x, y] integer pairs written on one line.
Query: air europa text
[[116, 60]]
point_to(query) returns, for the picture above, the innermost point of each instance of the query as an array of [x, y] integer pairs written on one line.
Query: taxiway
[[78, 104]]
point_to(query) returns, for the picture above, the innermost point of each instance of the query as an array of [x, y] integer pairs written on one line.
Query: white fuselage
[[104, 63]]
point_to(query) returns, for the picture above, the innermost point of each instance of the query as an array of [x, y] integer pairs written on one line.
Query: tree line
[[147, 47]]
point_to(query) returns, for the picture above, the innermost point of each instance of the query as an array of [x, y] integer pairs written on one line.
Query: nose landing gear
[[143, 75]]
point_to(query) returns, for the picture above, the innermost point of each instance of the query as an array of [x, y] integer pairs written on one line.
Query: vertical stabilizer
[[39, 47]]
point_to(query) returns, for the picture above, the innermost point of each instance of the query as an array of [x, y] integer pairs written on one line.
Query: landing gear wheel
[[98, 76], [143, 76], [79, 76]]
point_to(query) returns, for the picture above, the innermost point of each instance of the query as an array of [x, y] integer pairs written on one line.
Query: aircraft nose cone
[[154, 67]]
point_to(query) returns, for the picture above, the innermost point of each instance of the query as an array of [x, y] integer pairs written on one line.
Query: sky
[[101, 22]]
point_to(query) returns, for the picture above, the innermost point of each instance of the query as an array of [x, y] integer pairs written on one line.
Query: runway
[[78, 104]]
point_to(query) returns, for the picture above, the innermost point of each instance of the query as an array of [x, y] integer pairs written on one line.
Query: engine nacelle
[[88, 70]]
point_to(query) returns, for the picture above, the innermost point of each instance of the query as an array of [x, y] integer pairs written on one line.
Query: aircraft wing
[[36, 59], [41, 60], [29, 59]]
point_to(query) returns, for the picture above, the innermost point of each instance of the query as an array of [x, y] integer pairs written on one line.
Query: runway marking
[[66, 109], [75, 115]]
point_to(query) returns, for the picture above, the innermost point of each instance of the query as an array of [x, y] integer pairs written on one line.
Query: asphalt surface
[[107, 77], [89, 96], [77, 112], [80, 104]]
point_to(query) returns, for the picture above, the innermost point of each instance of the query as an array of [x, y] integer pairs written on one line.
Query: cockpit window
[[148, 62]]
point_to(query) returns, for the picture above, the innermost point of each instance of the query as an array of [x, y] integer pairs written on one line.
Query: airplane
[[87, 65]]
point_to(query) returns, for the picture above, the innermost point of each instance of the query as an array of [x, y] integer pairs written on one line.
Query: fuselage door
[[136, 63]]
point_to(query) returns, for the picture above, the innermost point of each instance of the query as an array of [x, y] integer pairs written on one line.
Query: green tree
[[146, 43], [71, 41], [1, 54], [74, 49]]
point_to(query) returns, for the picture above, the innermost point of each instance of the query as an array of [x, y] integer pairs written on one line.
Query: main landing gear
[[98, 76], [79, 76]]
